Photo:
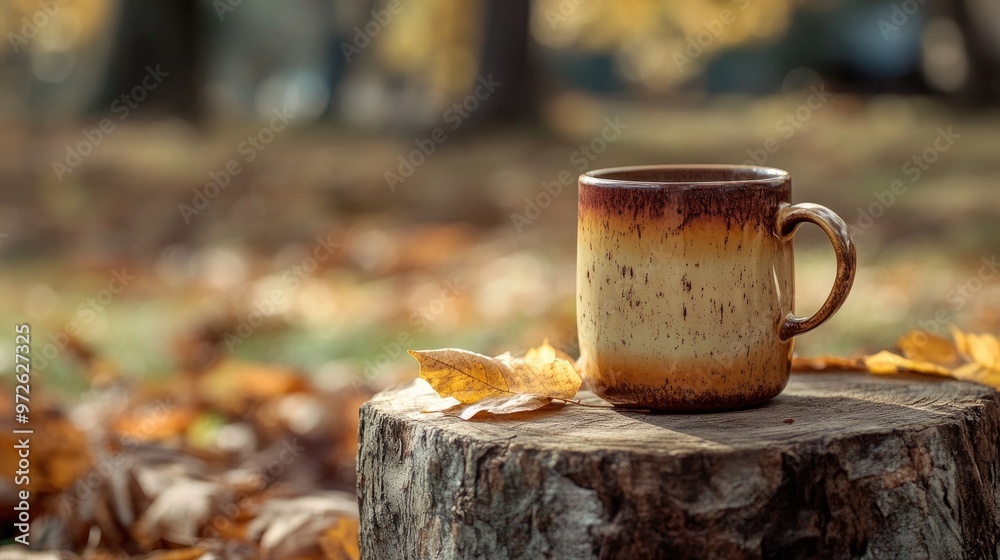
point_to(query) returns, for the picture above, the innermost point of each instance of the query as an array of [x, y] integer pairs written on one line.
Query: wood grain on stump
[[837, 466]]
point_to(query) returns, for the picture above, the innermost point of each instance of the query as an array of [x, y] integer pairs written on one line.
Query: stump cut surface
[[838, 466]]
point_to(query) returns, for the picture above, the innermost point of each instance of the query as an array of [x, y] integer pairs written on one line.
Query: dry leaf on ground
[[156, 422], [504, 405], [823, 363], [885, 363], [918, 345], [500, 385], [983, 354], [178, 514], [234, 387], [970, 357], [298, 527]]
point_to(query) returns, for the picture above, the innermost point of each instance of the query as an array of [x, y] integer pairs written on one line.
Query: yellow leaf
[[234, 387], [471, 377], [887, 363], [823, 363], [975, 372], [972, 357], [984, 352], [961, 344], [984, 349], [921, 346], [155, 423]]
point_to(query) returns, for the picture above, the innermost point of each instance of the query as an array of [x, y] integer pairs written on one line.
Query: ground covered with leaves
[[236, 460]]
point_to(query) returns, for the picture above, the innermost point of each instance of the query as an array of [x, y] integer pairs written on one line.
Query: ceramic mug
[[685, 285]]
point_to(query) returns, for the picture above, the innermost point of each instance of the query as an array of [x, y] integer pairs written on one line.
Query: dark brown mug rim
[[618, 177]]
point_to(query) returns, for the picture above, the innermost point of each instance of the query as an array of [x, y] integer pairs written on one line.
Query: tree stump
[[838, 466]]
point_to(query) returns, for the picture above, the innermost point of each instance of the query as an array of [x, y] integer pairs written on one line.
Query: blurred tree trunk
[[506, 54], [979, 26], [168, 33]]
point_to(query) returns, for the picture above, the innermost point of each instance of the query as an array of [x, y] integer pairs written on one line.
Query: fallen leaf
[[504, 405], [886, 363], [156, 422], [975, 372], [293, 528], [234, 387], [921, 346], [178, 514], [471, 383], [969, 357], [983, 349], [471, 377], [492, 405], [823, 363]]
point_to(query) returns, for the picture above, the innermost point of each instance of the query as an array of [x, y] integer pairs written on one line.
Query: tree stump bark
[[838, 466]]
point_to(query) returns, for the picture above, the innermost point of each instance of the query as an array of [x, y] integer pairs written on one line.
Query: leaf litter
[[965, 356], [231, 459]]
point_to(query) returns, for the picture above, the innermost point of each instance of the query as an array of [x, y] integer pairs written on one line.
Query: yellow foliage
[[885, 363], [970, 357], [500, 385], [64, 25], [647, 36]]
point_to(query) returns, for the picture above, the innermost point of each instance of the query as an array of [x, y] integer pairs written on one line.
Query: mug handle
[[789, 219]]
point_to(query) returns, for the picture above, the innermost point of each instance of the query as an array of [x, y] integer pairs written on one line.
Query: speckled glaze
[[685, 285]]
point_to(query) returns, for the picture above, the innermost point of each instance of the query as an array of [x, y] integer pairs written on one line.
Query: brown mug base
[[690, 405]]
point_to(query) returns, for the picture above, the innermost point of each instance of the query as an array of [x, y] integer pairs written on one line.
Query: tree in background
[[169, 33]]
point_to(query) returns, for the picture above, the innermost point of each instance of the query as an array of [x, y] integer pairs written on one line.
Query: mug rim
[[760, 175]]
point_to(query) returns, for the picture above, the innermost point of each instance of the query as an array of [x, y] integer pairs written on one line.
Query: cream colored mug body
[[685, 284]]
